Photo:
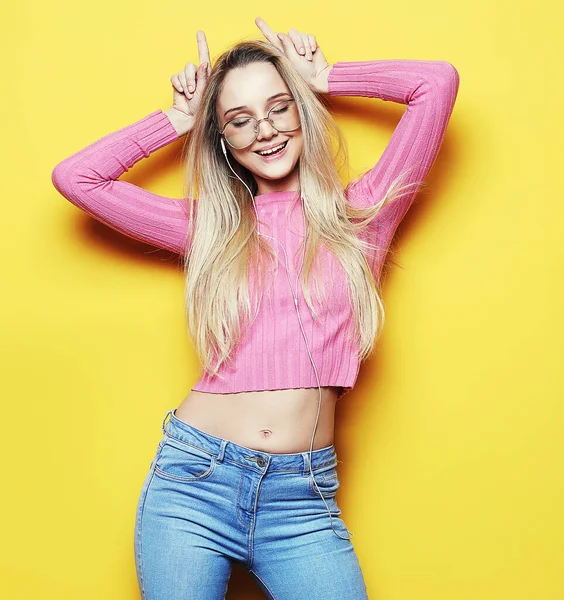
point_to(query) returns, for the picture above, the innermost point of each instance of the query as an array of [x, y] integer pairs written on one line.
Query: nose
[[267, 131]]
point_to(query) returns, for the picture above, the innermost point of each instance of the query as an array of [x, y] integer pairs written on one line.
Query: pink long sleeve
[[89, 179], [429, 88], [272, 353]]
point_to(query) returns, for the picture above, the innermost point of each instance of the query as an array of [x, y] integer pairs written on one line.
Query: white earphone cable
[[296, 305]]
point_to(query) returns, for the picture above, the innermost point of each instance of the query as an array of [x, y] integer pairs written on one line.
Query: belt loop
[[163, 423], [305, 456], [221, 452]]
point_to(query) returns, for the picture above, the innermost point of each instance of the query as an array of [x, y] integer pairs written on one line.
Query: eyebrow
[[267, 100]]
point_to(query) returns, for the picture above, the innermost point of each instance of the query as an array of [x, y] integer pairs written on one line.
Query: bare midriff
[[277, 421]]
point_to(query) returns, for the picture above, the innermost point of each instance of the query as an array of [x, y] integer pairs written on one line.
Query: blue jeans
[[208, 502]]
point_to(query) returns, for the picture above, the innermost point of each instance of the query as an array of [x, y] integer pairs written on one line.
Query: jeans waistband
[[257, 459]]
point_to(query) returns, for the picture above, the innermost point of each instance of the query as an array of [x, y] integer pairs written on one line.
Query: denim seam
[[325, 466], [273, 597], [236, 462], [140, 531], [324, 479], [253, 520], [180, 478], [181, 441], [250, 542], [298, 470], [239, 494]]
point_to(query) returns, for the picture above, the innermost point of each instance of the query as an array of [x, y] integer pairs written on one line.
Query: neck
[[290, 183]]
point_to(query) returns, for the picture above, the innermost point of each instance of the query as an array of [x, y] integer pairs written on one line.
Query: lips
[[272, 150]]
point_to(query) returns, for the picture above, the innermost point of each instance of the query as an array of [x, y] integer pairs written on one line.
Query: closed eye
[[281, 110], [241, 122]]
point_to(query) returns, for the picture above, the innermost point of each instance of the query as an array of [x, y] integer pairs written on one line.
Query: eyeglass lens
[[243, 131]]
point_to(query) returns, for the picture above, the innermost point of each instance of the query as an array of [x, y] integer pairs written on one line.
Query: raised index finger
[[268, 33], [203, 51]]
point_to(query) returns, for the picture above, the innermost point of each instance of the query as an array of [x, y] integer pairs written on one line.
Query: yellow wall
[[451, 444]]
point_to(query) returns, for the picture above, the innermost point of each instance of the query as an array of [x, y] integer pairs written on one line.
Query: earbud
[[223, 147]]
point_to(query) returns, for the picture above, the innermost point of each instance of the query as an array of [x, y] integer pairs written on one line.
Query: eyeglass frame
[[259, 121]]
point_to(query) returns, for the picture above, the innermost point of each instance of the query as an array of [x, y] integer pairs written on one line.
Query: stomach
[[276, 421]]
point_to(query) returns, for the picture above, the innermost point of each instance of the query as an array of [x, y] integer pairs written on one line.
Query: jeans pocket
[[179, 461], [327, 481]]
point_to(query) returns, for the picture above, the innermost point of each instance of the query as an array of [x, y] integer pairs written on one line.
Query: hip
[[205, 496]]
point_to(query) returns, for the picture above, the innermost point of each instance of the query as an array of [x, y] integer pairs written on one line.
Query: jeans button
[[260, 461]]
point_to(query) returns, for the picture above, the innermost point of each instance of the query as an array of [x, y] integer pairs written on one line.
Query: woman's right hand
[[188, 86]]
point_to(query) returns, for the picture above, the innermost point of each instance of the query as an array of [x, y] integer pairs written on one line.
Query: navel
[[266, 432]]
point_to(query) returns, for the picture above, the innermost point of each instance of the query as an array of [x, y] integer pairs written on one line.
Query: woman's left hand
[[303, 52]]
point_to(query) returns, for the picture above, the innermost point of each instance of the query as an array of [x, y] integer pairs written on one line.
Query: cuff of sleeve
[[341, 75], [154, 131]]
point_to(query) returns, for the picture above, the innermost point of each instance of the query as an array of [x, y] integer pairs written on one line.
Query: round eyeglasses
[[243, 131]]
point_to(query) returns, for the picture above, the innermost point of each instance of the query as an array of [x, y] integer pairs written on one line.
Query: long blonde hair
[[224, 244]]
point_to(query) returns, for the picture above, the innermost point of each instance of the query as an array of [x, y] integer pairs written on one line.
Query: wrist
[[181, 122], [321, 82]]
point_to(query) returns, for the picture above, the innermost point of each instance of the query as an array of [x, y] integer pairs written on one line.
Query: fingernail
[[302, 50], [281, 36], [191, 88]]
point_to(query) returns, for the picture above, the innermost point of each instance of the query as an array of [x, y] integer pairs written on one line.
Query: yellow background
[[451, 444]]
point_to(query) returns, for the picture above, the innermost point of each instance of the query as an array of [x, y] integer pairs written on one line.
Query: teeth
[[272, 150]]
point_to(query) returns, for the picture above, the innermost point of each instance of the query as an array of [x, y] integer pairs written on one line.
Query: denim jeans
[[208, 502]]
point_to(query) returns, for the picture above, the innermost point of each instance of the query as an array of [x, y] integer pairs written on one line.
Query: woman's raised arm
[[429, 89], [89, 179]]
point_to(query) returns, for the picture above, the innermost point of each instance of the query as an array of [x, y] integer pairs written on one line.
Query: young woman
[[283, 269]]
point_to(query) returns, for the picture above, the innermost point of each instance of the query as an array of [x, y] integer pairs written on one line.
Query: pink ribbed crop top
[[272, 353]]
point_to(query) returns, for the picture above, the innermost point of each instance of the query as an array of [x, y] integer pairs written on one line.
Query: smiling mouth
[[273, 151]]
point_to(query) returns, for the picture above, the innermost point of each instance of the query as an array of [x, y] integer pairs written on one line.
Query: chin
[[277, 170], [274, 172]]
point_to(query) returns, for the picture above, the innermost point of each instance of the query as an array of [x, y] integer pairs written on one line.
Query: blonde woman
[[283, 269]]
